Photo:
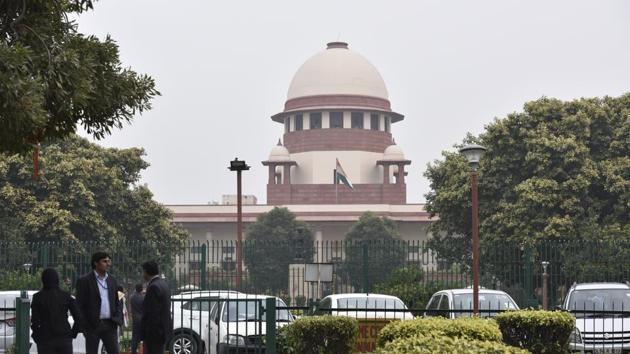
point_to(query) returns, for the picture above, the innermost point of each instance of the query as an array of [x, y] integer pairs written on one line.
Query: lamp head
[[238, 165], [472, 153]]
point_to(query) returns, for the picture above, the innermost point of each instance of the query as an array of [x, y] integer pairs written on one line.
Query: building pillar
[[385, 173], [400, 179], [272, 174], [286, 174]]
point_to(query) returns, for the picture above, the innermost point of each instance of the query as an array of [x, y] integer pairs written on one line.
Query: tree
[[53, 78], [88, 195], [273, 242], [557, 170], [409, 284], [375, 240]]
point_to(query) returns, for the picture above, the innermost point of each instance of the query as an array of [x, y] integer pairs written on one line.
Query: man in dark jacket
[[49, 316], [157, 325], [99, 306], [136, 317]]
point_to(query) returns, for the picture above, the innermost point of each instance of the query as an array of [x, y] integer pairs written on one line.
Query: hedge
[[441, 344], [463, 327], [538, 331], [319, 335]]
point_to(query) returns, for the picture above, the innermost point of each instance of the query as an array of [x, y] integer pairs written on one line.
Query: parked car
[[7, 318], [191, 319], [462, 299], [367, 306], [238, 324], [596, 331]]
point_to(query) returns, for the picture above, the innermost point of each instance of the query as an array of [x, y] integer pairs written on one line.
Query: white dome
[[393, 153], [279, 153], [337, 71]]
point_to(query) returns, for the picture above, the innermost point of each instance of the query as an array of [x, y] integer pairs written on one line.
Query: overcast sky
[[451, 67]]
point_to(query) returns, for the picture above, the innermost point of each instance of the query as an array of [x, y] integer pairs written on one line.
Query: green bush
[[441, 344], [319, 335], [300, 300], [19, 280], [537, 331], [464, 327]]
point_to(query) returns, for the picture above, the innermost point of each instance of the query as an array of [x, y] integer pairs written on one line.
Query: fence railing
[[283, 268], [15, 322]]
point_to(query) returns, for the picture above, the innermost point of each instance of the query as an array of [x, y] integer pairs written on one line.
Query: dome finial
[[279, 142]]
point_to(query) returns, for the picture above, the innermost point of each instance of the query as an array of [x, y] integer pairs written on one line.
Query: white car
[[595, 330], [7, 318], [238, 324], [461, 300], [191, 319], [368, 306]]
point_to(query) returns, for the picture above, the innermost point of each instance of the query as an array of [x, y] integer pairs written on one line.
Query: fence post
[[22, 311], [270, 313], [204, 270], [366, 281], [528, 260]]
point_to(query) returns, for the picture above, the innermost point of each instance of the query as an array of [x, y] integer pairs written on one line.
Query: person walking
[[49, 316], [98, 302], [157, 325], [122, 297], [136, 317]]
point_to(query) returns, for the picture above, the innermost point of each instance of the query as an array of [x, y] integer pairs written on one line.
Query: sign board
[[368, 333], [318, 272]]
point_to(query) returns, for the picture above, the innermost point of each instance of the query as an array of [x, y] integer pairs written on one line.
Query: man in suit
[[157, 324], [98, 302], [136, 317]]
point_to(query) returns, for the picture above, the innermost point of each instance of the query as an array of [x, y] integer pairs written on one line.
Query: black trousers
[[135, 338], [107, 332], [55, 346], [154, 345]]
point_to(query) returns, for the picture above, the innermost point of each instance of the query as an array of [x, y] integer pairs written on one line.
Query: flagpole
[[336, 184]]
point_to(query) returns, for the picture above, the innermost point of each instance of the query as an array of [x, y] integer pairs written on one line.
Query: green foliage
[[19, 280], [439, 344], [408, 284], [300, 300], [86, 193], [274, 241], [463, 327], [377, 240], [537, 331], [556, 170], [53, 78], [319, 335]]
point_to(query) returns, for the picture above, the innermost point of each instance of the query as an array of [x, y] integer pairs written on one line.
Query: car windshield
[[249, 310], [599, 300], [486, 302], [376, 303]]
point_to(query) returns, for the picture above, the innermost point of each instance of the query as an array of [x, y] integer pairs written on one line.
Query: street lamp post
[[545, 294], [239, 166], [473, 154]]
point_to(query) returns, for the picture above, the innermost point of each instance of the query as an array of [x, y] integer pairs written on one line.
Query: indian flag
[[341, 176]]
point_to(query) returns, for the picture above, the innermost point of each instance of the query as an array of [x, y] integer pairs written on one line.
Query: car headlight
[[575, 337], [234, 339]]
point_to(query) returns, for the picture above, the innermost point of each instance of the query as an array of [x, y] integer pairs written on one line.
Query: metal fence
[[15, 322], [284, 269]]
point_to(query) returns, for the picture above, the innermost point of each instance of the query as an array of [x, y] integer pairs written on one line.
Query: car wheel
[[184, 343]]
